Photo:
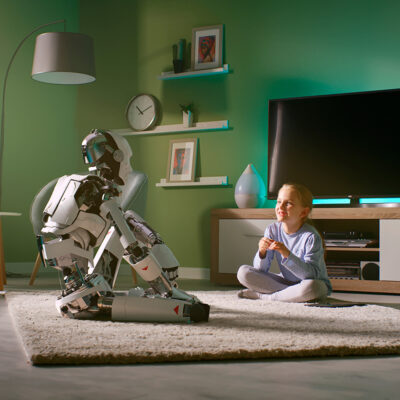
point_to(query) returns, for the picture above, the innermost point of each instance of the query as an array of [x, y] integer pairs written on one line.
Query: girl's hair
[[306, 199], [304, 194]]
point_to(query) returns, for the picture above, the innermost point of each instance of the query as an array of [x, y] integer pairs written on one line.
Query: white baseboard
[[184, 272], [194, 273], [22, 267]]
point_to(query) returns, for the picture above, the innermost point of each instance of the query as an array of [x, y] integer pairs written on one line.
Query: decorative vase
[[187, 119], [250, 189], [178, 66]]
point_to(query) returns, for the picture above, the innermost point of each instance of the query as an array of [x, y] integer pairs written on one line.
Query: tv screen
[[343, 145]]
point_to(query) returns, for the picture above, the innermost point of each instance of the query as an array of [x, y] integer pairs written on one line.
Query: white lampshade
[[63, 58]]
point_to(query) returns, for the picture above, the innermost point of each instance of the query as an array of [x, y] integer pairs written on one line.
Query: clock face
[[142, 112]]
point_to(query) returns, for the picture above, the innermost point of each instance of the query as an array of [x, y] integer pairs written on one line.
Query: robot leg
[[82, 302], [67, 256], [79, 298], [153, 309], [164, 303]]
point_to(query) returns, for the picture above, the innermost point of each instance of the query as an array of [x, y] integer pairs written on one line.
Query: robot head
[[108, 153]]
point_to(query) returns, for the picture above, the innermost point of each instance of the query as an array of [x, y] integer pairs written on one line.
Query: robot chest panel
[[96, 225], [62, 206]]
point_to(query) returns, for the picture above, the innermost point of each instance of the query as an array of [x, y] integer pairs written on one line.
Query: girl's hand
[[263, 246], [278, 246]]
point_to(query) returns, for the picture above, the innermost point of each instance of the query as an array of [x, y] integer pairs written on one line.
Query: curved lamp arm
[[4, 93]]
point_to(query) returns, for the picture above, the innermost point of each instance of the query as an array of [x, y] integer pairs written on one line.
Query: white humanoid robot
[[83, 213]]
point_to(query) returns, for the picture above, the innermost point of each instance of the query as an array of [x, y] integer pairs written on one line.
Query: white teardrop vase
[[250, 189]]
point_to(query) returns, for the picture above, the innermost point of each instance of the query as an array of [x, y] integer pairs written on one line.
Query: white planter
[[250, 189], [187, 119]]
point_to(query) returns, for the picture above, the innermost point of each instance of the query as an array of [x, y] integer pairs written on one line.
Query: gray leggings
[[279, 288]]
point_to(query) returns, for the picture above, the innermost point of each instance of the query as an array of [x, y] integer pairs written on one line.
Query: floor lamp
[[65, 58]]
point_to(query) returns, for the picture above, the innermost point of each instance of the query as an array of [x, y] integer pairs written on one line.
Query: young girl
[[298, 249]]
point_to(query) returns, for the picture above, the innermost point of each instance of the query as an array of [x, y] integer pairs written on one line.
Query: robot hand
[[172, 274], [146, 264]]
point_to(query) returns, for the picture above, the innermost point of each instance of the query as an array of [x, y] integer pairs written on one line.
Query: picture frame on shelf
[[207, 47], [182, 157]]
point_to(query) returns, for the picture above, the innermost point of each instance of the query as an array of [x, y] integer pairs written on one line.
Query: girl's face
[[289, 208]]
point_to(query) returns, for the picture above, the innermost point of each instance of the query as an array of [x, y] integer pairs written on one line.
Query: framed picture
[[182, 160], [207, 47]]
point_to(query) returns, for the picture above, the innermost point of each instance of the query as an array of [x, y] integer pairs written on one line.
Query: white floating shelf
[[9, 214], [166, 129], [194, 74], [202, 181]]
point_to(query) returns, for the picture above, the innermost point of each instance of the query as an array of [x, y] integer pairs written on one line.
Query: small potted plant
[[187, 114]]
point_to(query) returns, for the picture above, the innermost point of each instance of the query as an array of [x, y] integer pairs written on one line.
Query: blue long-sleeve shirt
[[306, 258]]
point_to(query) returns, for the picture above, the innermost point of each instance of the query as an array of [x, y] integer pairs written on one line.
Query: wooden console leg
[[3, 278], [36, 267], [134, 276]]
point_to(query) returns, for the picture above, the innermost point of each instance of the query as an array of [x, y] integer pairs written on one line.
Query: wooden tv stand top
[[317, 213]]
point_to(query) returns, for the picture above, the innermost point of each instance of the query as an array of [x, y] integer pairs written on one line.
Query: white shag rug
[[237, 329]]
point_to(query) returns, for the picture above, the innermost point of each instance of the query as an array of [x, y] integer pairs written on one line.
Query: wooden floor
[[313, 378]]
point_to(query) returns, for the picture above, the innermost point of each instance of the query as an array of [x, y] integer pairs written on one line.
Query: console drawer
[[238, 242]]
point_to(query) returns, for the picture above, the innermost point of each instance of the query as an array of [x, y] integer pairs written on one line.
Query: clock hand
[[141, 112], [147, 108]]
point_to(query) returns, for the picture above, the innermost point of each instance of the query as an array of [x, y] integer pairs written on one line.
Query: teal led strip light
[[331, 201], [362, 201], [380, 200]]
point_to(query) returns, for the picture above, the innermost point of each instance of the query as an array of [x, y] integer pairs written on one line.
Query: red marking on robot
[[176, 309], [145, 268]]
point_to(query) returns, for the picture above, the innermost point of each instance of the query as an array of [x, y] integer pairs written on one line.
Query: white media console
[[235, 234]]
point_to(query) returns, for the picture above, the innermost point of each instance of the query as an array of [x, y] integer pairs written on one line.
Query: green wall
[[41, 136], [275, 49]]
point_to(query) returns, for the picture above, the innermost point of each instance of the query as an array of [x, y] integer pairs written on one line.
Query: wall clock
[[143, 112]]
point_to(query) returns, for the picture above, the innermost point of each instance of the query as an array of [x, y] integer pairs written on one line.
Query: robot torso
[[75, 204]]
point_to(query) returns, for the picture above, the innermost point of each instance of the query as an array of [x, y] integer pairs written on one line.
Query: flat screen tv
[[339, 146]]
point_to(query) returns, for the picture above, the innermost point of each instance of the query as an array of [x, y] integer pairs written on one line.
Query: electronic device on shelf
[[364, 270], [347, 243], [349, 239], [339, 145], [353, 235], [343, 270]]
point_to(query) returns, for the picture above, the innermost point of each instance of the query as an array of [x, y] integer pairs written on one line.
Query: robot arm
[[143, 258], [145, 234]]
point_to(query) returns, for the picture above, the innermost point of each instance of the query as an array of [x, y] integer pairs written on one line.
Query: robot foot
[[80, 302], [199, 312]]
